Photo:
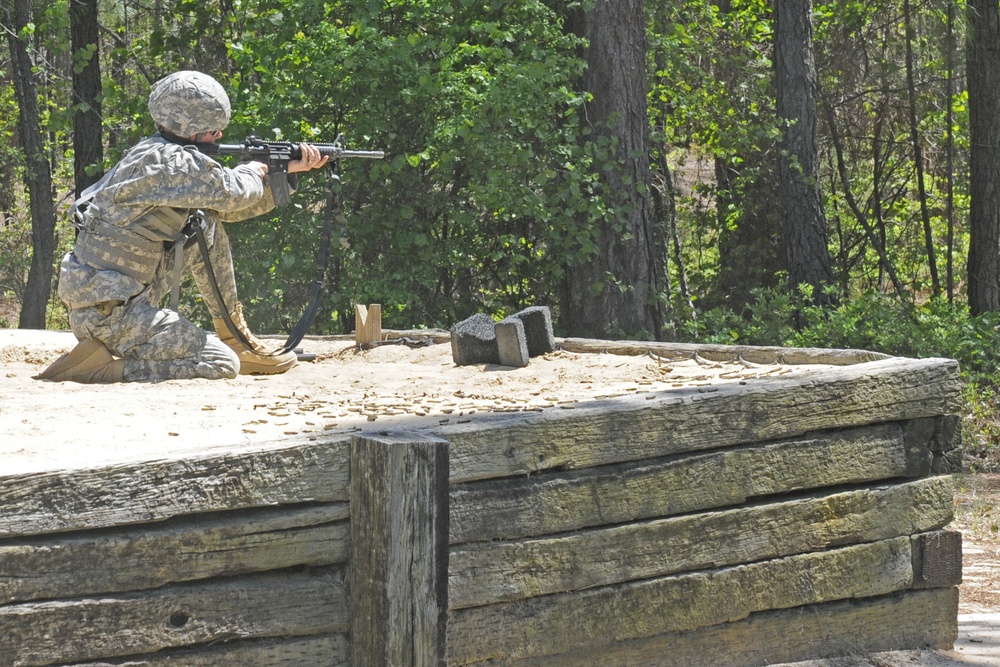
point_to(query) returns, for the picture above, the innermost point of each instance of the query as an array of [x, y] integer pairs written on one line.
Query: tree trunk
[[918, 151], [617, 293], [949, 123], [37, 174], [984, 157], [665, 208], [881, 152], [795, 83], [88, 149], [751, 254]]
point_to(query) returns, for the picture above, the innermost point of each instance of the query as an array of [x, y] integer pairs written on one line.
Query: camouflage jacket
[[159, 173]]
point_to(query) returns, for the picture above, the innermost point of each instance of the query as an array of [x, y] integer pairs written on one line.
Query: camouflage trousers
[[156, 343]]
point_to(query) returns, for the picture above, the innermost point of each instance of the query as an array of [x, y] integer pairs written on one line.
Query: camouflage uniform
[[120, 307]]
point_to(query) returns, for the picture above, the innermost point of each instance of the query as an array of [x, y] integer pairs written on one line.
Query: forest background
[[769, 172]]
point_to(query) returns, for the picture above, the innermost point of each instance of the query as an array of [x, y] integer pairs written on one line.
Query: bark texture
[[616, 293], [795, 83], [984, 167]]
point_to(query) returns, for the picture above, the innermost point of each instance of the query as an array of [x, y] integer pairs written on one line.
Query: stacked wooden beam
[[737, 525], [745, 526], [228, 560]]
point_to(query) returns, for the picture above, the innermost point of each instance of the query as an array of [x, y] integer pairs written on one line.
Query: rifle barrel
[[334, 151]]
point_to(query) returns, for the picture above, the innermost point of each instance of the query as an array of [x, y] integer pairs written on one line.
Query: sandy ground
[[48, 426]]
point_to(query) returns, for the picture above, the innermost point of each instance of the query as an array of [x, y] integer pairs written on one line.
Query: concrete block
[[537, 329], [474, 341], [512, 344]]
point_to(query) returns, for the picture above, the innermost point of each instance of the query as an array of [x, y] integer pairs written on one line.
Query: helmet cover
[[187, 103]]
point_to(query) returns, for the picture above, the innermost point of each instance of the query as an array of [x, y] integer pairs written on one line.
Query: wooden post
[[367, 323], [399, 551]]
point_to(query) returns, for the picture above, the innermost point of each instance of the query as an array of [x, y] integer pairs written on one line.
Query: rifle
[[277, 154]]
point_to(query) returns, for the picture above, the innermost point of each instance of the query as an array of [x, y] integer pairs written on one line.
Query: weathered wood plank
[[282, 604], [945, 439], [749, 353], [156, 490], [556, 624], [693, 419], [399, 557], [321, 651], [913, 619], [554, 502], [486, 573], [183, 549]]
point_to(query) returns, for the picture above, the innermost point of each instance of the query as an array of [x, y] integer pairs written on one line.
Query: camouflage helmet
[[187, 103]]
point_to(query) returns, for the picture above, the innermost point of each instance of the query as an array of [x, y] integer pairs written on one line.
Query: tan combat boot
[[90, 362], [255, 361]]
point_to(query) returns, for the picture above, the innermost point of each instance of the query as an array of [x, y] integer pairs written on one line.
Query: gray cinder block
[[512, 344], [474, 341], [537, 322]]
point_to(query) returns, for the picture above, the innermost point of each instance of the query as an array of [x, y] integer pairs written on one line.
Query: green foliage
[[489, 188], [866, 322], [981, 424], [10, 156], [15, 248], [712, 97], [480, 198], [861, 59]]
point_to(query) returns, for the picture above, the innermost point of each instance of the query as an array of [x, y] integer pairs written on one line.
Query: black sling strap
[[196, 221]]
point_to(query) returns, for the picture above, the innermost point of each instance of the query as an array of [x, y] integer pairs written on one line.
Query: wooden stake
[[367, 323]]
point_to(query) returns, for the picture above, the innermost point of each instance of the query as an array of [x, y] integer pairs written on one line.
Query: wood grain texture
[[558, 501], [556, 624], [684, 527], [748, 353], [185, 549], [279, 604], [321, 651], [399, 558], [912, 619], [696, 419], [157, 490], [487, 573]]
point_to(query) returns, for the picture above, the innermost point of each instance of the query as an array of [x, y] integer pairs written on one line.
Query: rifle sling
[[199, 234], [334, 213]]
